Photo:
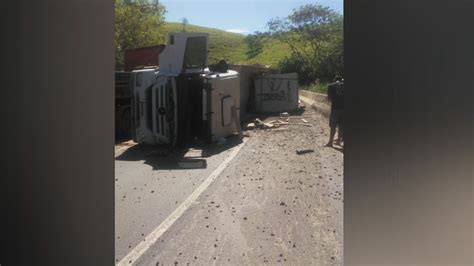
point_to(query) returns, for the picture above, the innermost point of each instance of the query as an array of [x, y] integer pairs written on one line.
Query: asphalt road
[[277, 198]]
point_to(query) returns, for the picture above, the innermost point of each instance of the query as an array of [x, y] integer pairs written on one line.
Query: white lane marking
[[153, 237]]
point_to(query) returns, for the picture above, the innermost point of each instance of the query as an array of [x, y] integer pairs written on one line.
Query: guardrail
[[317, 101]]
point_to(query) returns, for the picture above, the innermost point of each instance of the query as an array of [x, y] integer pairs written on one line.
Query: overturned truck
[[184, 100]]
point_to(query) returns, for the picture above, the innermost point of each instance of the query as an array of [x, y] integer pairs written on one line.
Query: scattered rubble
[[268, 125], [270, 198], [259, 124], [301, 105], [301, 152]]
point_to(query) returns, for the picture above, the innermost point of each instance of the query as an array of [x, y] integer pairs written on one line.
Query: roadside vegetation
[[317, 86], [308, 41], [138, 23]]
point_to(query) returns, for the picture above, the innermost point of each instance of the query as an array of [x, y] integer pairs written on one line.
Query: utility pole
[[184, 21]]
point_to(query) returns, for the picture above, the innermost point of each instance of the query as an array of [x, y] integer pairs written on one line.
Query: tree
[[254, 43], [314, 34], [137, 23]]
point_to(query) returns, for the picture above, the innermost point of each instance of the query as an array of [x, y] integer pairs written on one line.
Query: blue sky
[[241, 16]]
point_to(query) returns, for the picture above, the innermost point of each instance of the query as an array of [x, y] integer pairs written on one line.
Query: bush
[[294, 64]]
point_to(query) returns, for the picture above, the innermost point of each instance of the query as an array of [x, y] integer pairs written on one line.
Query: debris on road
[[268, 125], [301, 152], [192, 164], [262, 125], [249, 211], [258, 123], [301, 104], [284, 114], [273, 124]]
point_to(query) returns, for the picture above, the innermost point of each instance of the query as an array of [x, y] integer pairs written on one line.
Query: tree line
[[314, 34], [138, 23]]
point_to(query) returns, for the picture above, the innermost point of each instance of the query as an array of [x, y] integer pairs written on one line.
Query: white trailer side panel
[[276, 93]]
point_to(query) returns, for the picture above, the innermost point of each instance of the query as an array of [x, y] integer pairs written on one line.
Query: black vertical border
[[408, 136], [57, 184]]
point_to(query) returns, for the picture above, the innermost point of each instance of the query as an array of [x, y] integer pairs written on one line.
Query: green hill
[[232, 47]]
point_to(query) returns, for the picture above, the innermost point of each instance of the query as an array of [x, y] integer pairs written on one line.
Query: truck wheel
[[126, 123]]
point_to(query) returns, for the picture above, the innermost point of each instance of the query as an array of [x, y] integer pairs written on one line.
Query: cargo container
[[248, 74], [142, 57], [276, 93]]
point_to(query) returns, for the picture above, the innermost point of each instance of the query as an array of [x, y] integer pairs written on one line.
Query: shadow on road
[[191, 156]]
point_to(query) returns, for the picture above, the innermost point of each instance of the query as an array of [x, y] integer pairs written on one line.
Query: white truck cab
[[183, 100]]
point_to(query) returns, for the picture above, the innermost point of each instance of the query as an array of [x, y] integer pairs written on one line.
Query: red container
[[143, 56]]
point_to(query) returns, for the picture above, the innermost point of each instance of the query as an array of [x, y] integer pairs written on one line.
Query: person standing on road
[[336, 97]]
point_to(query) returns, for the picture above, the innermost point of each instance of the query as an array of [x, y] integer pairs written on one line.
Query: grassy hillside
[[272, 53], [232, 47]]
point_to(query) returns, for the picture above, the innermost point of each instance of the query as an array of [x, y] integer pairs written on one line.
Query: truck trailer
[[184, 100], [140, 57]]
